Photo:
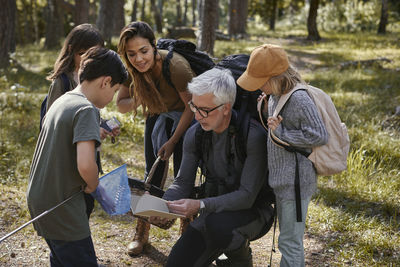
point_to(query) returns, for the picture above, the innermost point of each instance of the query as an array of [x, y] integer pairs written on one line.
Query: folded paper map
[[147, 205]]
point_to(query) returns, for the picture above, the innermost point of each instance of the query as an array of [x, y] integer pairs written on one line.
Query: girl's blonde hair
[[142, 90], [285, 82]]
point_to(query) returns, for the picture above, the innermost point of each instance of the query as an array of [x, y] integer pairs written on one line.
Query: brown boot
[[141, 238]]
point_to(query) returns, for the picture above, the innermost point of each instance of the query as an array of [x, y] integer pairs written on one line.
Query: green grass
[[355, 215]]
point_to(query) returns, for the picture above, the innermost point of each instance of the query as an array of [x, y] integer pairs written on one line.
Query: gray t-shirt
[[54, 174]]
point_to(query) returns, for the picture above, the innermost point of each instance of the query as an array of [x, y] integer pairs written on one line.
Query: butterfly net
[[113, 192]]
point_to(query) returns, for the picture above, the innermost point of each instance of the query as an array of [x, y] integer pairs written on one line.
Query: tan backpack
[[330, 158]]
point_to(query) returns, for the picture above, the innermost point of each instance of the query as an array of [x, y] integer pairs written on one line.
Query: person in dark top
[[228, 214]]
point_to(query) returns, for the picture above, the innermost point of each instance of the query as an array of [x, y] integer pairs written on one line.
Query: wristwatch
[[202, 206]]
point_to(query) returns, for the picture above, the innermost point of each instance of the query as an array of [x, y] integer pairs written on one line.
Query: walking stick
[[39, 216]]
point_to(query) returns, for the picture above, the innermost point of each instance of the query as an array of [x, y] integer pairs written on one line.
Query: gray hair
[[216, 81]]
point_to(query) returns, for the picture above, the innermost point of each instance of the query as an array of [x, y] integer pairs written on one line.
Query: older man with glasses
[[228, 212]]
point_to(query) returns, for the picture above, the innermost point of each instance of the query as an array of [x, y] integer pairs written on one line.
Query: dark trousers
[[192, 248], [72, 253], [149, 155]]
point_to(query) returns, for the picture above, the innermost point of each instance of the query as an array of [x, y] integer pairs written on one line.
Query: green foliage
[[354, 216], [349, 16]]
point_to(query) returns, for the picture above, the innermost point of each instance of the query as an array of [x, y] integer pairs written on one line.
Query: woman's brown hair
[[142, 90], [80, 38]]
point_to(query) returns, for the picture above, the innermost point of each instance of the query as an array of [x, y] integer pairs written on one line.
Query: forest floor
[[112, 234], [353, 220]]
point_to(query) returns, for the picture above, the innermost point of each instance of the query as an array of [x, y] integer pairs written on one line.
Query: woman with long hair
[[166, 108]]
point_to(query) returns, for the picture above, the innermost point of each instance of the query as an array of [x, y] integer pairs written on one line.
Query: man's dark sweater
[[252, 173]]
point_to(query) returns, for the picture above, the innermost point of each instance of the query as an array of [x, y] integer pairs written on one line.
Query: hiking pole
[[39, 216], [273, 238]]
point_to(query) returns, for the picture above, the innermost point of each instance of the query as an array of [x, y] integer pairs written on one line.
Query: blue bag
[[113, 192]]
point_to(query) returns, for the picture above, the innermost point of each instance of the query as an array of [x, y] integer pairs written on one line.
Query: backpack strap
[[242, 124], [285, 97], [166, 67], [203, 140], [237, 138]]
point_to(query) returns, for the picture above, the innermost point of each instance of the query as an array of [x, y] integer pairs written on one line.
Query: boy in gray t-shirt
[[64, 160]]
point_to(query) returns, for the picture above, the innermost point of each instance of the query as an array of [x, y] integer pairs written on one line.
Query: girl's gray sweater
[[301, 127]]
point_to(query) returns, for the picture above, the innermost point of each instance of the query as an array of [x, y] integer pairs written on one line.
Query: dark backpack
[[199, 61], [245, 101], [237, 133], [43, 106]]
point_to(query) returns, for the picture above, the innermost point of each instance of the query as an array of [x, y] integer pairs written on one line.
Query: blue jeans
[[290, 240], [72, 253], [149, 156]]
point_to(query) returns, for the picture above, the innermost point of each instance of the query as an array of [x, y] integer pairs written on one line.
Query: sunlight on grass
[[355, 214]]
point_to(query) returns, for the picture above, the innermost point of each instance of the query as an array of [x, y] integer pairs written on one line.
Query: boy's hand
[[104, 133]]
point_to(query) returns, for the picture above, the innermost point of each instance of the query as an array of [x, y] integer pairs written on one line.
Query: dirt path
[[111, 236]]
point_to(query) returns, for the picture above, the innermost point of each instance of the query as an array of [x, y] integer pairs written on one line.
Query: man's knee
[[217, 232]]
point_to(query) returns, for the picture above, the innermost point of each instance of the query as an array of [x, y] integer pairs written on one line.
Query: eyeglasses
[[203, 112]]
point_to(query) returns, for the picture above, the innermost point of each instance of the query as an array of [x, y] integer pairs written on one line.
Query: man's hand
[[186, 207]]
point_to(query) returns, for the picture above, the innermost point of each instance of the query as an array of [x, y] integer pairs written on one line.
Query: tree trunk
[[93, 14], [200, 9], [237, 18], [35, 21], [119, 16], [384, 18], [157, 16], [143, 14], [194, 13], [274, 9], [232, 24], [54, 24], [105, 20], [24, 23], [160, 7], [313, 33], [178, 13], [185, 9], [243, 12], [81, 12], [208, 24], [7, 30], [134, 11]]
